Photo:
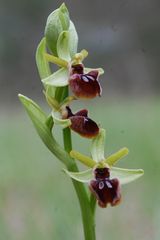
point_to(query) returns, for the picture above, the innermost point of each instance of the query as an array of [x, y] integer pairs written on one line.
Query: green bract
[[63, 49]]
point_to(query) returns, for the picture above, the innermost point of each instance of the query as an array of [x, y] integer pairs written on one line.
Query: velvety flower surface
[[84, 85], [106, 190], [81, 124]]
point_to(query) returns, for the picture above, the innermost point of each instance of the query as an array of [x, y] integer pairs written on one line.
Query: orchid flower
[[103, 178]]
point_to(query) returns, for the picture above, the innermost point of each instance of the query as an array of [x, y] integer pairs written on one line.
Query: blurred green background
[[37, 200]]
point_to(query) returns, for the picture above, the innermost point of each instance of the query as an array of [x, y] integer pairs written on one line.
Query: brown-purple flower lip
[[81, 124], [84, 85], [106, 190]]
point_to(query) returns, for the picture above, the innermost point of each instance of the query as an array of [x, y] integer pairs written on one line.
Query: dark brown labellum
[[106, 190], [81, 124], [84, 85]]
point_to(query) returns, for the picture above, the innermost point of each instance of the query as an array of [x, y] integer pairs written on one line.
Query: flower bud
[[57, 22]]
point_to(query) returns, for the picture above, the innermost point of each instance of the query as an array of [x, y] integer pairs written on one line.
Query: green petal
[[84, 176], [126, 175], [83, 158], [112, 159], [100, 70], [57, 79], [63, 48], [97, 147], [59, 121]]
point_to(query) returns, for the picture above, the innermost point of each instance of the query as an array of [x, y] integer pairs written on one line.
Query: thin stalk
[[84, 201]]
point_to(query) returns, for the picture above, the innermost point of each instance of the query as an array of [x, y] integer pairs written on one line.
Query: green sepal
[[126, 175], [59, 121], [97, 147], [123, 175], [67, 43], [63, 47], [57, 22], [100, 70], [42, 63], [57, 79], [84, 176]]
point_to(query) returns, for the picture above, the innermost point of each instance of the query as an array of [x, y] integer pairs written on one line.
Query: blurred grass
[[37, 201]]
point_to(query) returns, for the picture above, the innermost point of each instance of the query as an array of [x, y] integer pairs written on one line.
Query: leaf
[[97, 147], [42, 126], [59, 121], [42, 63], [63, 49], [100, 70], [84, 176], [112, 159], [126, 175], [57, 22], [57, 79], [73, 39]]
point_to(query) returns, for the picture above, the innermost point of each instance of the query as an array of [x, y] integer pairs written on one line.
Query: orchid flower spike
[[103, 178]]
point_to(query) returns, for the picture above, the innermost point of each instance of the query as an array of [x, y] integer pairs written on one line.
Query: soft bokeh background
[[37, 201]]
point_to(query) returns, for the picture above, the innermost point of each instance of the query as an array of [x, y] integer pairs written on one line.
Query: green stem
[[84, 201], [67, 140], [93, 202], [86, 211]]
